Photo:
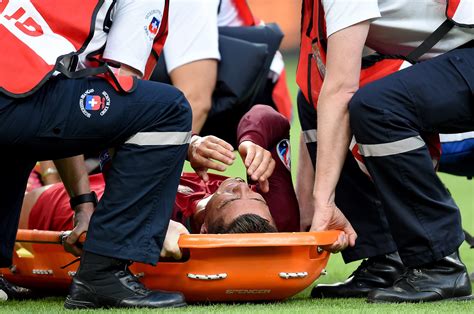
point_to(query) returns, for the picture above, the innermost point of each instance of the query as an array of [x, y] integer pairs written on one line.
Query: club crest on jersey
[[283, 151], [153, 20], [90, 102]]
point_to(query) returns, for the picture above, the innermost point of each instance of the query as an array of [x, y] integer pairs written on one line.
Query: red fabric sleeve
[[271, 130], [263, 126]]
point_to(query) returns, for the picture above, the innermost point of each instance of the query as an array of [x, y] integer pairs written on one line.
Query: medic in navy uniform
[[395, 120], [51, 107]]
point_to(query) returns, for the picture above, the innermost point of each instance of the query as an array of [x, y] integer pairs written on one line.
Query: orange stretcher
[[223, 267]]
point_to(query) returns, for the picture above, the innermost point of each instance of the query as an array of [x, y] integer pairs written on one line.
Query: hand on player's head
[[209, 152]]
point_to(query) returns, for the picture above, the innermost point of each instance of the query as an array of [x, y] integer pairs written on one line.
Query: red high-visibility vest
[[280, 94], [312, 59], [35, 36]]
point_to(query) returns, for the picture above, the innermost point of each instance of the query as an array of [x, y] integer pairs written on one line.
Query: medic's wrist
[[83, 198]]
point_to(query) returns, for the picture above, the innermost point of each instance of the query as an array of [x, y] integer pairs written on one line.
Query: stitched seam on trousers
[[415, 104], [415, 208], [149, 220], [404, 179]]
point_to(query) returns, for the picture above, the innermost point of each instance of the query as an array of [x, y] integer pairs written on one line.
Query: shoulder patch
[[283, 150]]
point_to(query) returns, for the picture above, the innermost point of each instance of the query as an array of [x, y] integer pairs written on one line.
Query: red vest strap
[[244, 12], [308, 76]]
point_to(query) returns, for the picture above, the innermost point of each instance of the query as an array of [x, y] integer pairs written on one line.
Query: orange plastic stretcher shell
[[223, 267]]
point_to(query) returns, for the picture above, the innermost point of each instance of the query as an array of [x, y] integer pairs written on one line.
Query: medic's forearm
[[333, 141], [74, 175], [343, 63], [197, 80]]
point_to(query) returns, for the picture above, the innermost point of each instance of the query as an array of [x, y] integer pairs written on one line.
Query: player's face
[[234, 198]]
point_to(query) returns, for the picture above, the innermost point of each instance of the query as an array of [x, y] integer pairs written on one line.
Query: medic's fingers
[[211, 144], [202, 173], [351, 235], [339, 245], [173, 252], [208, 163], [224, 145], [176, 252], [70, 245], [218, 153]]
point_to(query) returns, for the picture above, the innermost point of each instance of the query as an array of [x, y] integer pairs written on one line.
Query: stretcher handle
[[211, 240], [41, 236], [259, 239]]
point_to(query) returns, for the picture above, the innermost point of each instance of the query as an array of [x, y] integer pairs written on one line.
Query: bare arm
[[127, 70], [341, 82], [197, 81], [304, 186], [76, 181], [49, 173], [74, 175]]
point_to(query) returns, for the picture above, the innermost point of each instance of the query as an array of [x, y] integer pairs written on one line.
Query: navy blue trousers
[[149, 129], [388, 118], [355, 196]]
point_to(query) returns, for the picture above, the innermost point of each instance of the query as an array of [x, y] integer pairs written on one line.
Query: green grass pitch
[[461, 188]]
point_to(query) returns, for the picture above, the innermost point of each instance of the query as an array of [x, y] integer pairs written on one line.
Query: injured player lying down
[[216, 204]]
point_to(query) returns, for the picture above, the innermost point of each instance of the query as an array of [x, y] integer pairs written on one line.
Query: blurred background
[[286, 13]]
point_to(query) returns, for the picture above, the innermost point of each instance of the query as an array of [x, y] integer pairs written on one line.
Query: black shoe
[[106, 282], [14, 292], [375, 272], [446, 279]]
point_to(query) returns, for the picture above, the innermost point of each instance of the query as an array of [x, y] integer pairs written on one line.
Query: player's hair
[[248, 223]]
